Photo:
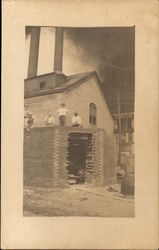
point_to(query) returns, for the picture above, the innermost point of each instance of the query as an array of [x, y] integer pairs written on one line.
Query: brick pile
[[46, 157]]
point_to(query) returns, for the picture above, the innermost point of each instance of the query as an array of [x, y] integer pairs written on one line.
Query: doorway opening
[[80, 155]]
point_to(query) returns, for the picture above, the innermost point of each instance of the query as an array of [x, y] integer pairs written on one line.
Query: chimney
[[34, 52], [58, 56]]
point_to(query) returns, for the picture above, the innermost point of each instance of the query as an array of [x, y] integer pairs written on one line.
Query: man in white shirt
[[49, 120], [62, 112], [76, 120], [30, 121]]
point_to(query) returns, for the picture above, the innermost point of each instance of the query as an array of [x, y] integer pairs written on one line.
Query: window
[[130, 124], [93, 114], [116, 126], [42, 85], [124, 125]]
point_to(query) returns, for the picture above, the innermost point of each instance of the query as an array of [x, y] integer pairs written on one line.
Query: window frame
[[92, 114], [42, 85]]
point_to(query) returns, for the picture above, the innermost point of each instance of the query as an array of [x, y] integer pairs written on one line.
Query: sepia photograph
[[79, 124], [79, 90]]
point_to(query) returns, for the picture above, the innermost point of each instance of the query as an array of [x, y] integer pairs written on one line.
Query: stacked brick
[[56, 157], [99, 157], [59, 162], [89, 167], [46, 158], [105, 159], [38, 157], [63, 157], [109, 160]]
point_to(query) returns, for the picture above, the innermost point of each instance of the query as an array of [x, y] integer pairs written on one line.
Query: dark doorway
[[79, 149]]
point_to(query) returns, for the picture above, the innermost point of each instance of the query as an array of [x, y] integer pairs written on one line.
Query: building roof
[[71, 82]]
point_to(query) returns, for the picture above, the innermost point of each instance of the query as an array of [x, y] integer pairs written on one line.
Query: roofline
[[26, 79], [54, 72], [92, 74], [47, 74], [100, 84], [55, 91], [42, 93]]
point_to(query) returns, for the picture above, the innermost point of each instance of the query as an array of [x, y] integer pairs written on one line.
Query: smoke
[[108, 51], [75, 59]]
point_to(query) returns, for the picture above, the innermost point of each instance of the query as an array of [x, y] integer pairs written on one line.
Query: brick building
[[66, 152], [81, 93]]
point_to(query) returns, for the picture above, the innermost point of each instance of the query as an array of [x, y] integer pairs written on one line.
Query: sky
[[109, 51]]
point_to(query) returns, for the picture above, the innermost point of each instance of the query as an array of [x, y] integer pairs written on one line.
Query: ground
[[76, 200]]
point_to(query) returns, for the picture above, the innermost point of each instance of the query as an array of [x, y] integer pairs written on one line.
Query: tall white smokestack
[[58, 56], [34, 52]]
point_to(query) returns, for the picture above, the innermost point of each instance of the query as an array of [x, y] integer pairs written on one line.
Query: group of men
[[62, 117], [49, 120]]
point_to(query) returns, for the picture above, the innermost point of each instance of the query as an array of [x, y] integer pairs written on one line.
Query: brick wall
[[77, 99], [38, 157], [110, 160], [45, 157], [46, 151], [105, 159]]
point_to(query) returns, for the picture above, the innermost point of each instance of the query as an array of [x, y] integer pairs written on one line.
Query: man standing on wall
[[30, 121], [62, 112], [26, 111], [76, 120], [49, 120]]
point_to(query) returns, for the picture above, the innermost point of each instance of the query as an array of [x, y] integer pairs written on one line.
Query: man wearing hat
[[62, 112], [76, 120]]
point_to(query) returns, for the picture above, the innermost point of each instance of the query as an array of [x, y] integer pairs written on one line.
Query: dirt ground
[[76, 200]]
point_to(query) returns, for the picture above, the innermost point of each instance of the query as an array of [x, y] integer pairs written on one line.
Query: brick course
[[45, 157]]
